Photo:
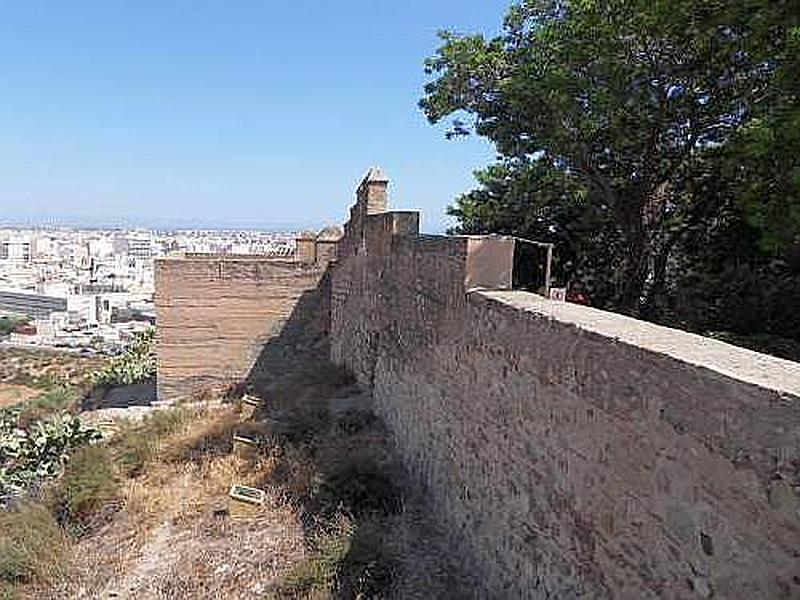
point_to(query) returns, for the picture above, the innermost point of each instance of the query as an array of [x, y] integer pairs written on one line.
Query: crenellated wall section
[[573, 452]]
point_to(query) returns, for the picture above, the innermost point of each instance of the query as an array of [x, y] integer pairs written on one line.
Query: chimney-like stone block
[[379, 229], [306, 248], [327, 243], [326, 251], [405, 222], [371, 195]]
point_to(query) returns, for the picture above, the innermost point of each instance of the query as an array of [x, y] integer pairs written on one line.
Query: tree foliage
[[646, 138], [8, 323]]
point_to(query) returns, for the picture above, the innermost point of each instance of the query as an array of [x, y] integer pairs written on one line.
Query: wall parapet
[[573, 452], [747, 366]]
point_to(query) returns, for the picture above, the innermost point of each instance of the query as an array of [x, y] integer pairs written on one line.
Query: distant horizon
[[225, 115], [440, 222], [167, 225]]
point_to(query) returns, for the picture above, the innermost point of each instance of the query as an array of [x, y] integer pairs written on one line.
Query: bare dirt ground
[[25, 366], [11, 394], [204, 557], [174, 538]]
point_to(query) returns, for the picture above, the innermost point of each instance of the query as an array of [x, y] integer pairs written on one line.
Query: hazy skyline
[[223, 114]]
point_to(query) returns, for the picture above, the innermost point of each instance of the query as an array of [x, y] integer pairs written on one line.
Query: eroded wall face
[[219, 319], [566, 463], [575, 465]]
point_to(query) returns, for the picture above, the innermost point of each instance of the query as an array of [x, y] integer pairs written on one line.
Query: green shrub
[[30, 453], [136, 364], [316, 575], [32, 547], [136, 443], [7, 325], [87, 492]]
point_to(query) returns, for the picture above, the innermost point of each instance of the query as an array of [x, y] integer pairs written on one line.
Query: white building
[[16, 249], [140, 247]]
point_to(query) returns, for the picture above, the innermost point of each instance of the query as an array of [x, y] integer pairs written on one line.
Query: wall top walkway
[[769, 372]]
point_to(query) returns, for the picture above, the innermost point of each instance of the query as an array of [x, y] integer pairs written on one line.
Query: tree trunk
[[636, 258]]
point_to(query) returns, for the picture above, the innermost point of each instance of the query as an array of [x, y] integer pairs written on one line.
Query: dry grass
[[32, 548], [368, 531], [339, 521], [138, 443], [191, 470], [173, 538], [44, 368], [87, 494]]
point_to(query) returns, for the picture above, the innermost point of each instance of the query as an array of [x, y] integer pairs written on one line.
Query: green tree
[[606, 117], [7, 324]]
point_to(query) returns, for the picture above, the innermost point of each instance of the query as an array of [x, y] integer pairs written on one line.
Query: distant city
[[91, 290]]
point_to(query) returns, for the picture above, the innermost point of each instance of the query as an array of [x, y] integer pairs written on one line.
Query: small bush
[[295, 472], [316, 575], [369, 568], [136, 443], [359, 485], [136, 364], [354, 421], [32, 547], [57, 399], [213, 439], [87, 493], [301, 425], [133, 449], [7, 324]]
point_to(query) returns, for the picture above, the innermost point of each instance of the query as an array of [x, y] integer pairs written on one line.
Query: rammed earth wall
[[217, 315]]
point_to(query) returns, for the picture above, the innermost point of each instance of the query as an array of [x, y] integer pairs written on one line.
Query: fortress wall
[[573, 452], [216, 313]]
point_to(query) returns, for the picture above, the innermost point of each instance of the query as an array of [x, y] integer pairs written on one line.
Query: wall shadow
[[362, 517], [302, 342], [120, 396]]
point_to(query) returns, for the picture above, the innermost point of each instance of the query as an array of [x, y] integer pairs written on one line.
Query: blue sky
[[229, 113]]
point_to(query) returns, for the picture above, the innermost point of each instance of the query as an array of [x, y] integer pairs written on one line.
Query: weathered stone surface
[[574, 452]]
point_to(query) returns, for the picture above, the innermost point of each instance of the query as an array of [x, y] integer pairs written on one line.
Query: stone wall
[[573, 452], [216, 317]]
